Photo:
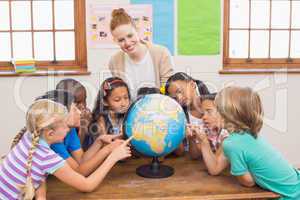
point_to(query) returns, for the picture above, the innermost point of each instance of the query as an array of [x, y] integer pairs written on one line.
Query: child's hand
[[122, 151], [107, 139], [86, 114], [85, 118], [199, 133], [189, 133], [113, 145], [40, 198]]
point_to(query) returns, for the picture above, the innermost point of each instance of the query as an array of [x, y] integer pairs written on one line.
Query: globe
[[157, 124]]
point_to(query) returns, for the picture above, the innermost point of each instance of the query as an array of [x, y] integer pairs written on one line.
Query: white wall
[[278, 92]]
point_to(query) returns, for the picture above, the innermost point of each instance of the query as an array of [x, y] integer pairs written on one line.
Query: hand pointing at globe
[[122, 151], [107, 139]]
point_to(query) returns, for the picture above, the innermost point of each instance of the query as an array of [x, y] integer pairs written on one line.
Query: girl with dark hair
[[147, 90], [187, 92], [60, 96], [212, 127], [112, 103], [76, 88], [79, 92]]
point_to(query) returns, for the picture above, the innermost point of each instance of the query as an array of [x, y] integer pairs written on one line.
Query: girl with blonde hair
[[27, 165], [252, 159]]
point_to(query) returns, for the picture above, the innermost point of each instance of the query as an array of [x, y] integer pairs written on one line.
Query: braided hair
[[60, 96], [41, 115]]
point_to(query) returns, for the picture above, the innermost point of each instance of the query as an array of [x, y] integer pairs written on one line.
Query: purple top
[[13, 171]]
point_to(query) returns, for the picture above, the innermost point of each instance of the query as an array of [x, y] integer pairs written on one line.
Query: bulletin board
[[164, 22], [98, 23]]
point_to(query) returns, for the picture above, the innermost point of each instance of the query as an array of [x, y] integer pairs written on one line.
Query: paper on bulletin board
[[163, 21], [199, 27], [98, 22]]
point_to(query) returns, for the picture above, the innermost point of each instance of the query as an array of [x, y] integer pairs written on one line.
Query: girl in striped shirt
[[27, 165]]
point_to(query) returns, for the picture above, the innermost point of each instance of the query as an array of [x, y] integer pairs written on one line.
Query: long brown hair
[[120, 17], [241, 109]]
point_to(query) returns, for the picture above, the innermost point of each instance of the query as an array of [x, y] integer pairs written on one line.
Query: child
[[147, 90], [212, 127], [251, 158], [70, 148], [187, 92], [112, 102], [79, 92], [30, 160]]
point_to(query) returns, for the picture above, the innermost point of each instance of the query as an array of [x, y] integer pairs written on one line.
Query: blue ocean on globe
[[157, 123]]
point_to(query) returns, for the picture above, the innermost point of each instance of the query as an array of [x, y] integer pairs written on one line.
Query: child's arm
[[85, 118], [88, 184], [102, 139], [88, 166], [84, 125], [41, 192], [81, 156], [92, 150], [246, 180], [194, 151], [98, 144], [215, 163]]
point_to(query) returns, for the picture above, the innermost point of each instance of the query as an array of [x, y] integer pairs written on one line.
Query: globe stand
[[155, 170]]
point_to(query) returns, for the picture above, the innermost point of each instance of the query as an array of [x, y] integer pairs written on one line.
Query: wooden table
[[190, 181]]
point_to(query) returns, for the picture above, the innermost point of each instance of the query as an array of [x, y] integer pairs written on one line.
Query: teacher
[[139, 63]]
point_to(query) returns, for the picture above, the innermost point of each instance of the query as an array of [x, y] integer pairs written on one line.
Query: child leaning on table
[[252, 159], [27, 165], [212, 126]]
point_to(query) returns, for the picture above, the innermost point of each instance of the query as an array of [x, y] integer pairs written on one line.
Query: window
[[52, 32], [261, 34]]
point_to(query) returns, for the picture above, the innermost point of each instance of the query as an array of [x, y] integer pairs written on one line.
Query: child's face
[[73, 118], [80, 98], [126, 37], [58, 133], [211, 117], [182, 91], [118, 100]]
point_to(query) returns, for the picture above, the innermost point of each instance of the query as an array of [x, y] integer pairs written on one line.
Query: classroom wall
[[278, 92]]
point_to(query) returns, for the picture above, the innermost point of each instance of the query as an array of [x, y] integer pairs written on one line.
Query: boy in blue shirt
[[70, 148], [71, 143]]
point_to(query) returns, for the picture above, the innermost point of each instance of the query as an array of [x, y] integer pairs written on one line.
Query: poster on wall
[[98, 23], [199, 27], [163, 17]]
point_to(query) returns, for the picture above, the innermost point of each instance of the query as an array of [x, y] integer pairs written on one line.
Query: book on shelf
[[24, 66]]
